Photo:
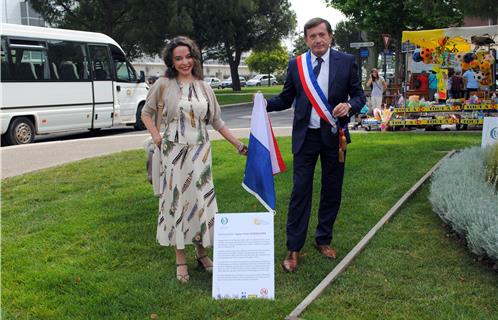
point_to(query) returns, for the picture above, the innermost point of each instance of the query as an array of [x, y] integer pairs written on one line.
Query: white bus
[[55, 80]]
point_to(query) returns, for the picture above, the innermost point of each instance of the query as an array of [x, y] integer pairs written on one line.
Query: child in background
[[360, 116]]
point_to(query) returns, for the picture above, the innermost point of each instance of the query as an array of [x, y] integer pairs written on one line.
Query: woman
[[187, 204], [378, 86]]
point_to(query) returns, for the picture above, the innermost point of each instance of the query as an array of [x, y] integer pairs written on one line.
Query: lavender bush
[[462, 195]]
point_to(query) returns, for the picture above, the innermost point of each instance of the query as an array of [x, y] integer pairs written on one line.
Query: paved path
[[17, 160]]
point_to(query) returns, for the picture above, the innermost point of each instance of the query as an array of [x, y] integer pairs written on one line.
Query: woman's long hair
[[171, 72], [376, 77]]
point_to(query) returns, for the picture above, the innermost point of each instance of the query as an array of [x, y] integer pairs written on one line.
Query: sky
[[307, 9]]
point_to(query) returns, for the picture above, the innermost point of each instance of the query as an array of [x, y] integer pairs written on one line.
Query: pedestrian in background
[[424, 82], [456, 85], [432, 85], [378, 85], [470, 82]]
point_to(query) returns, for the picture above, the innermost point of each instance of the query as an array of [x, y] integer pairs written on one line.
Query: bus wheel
[[139, 125], [21, 131]]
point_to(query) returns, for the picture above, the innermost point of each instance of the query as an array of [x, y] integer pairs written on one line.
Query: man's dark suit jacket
[[344, 86]]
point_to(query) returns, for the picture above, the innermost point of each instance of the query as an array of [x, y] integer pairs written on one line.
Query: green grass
[[79, 240], [228, 96], [411, 270]]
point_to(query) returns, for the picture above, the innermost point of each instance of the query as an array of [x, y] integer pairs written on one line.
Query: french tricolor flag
[[264, 159]]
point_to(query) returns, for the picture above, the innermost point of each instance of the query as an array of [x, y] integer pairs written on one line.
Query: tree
[[345, 33], [300, 46], [138, 26], [268, 60], [394, 17], [230, 28], [482, 9]]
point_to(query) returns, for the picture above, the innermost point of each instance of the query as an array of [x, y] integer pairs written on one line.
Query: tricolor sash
[[317, 98], [313, 91]]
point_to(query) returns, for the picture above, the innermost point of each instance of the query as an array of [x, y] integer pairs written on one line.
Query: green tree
[[228, 28], [345, 33], [268, 60], [138, 26], [299, 45], [482, 9], [394, 17]]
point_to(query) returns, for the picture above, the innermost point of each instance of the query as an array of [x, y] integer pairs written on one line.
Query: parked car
[[213, 82], [227, 83], [262, 79]]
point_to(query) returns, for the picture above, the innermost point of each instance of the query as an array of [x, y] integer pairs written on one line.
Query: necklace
[[181, 83]]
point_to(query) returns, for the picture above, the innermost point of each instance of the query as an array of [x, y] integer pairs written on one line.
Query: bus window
[[5, 68], [124, 70], [68, 61], [100, 62], [29, 60]]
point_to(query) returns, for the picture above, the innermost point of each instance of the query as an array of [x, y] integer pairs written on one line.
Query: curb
[[348, 259]]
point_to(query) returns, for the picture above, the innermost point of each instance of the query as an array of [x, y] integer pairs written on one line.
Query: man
[[424, 82], [432, 85], [470, 83], [314, 135]]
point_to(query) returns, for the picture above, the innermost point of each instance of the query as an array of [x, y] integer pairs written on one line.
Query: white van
[[56, 80]]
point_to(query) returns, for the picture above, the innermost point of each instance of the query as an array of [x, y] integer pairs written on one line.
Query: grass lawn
[[78, 241], [411, 270], [228, 96]]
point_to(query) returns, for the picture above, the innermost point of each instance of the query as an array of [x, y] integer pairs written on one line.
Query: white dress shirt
[[323, 82]]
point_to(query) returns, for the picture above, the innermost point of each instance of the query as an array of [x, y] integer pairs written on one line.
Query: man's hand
[[341, 110]]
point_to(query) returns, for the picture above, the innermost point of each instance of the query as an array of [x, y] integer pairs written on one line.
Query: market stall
[[448, 51]]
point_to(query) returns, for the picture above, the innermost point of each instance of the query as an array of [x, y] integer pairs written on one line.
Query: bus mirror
[[142, 76]]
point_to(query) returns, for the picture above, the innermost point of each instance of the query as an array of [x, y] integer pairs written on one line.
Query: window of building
[[29, 16]]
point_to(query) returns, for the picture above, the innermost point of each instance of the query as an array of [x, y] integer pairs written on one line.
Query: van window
[[100, 62], [124, 71], [5, 68], [28, 60], [68, 61]]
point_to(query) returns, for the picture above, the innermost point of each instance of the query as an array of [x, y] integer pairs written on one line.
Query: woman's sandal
[[201, 265], [183, 278]]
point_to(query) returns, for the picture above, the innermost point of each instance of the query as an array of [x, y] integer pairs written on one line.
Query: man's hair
[[315, 22], [171, 72]]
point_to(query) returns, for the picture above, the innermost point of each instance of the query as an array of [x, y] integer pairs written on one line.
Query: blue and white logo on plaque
[[489, 131]]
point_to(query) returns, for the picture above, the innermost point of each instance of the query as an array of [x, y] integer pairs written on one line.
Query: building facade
[[20, 12], [154, 66]]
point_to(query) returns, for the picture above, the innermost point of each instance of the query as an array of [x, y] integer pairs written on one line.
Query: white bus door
[[128, 91], [103, 89]]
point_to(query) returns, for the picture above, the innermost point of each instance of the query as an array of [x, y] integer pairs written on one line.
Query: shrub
[[461, 197], [492, 165]]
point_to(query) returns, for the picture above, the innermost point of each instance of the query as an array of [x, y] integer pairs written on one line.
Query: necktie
[[316, 69]]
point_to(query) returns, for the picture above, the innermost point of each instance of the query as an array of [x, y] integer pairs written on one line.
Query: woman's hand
[[156, 138], [242, 149]]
